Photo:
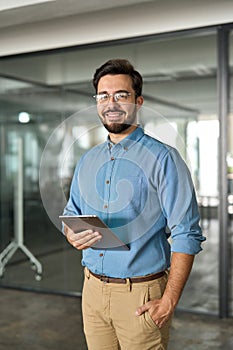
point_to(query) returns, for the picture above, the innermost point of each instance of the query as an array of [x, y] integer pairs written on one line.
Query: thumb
[[142, 309]]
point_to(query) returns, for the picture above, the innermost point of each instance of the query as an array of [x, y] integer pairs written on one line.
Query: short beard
[[116, 128]]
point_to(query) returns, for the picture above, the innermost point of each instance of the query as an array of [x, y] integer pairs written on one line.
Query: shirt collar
[[130, 140]]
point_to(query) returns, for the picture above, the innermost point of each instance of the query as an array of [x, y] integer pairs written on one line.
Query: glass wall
[[230, 171], [34, 254], [55, 91]]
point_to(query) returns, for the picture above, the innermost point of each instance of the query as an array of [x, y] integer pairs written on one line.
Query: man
[[142, 190]]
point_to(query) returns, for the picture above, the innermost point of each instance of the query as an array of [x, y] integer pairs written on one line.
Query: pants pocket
[[155, 290], [147, 317], [149, 321]]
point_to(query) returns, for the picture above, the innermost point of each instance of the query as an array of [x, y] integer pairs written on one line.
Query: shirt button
[[107, 182], [101, 254], [112, 158], [105, 206]]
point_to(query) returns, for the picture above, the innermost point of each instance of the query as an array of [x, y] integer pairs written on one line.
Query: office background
[[49, 51]]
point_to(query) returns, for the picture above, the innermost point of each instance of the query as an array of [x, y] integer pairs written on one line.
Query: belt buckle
[[104, 279]]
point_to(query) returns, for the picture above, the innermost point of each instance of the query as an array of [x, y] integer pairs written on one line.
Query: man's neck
[[116, 138]]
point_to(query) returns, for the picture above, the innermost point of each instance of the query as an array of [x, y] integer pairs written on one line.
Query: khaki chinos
[[109, 316]]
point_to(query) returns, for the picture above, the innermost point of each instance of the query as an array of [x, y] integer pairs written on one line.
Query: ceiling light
[[24, 117]]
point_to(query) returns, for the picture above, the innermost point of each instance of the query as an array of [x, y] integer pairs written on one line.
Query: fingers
[[155, 313], [86, 239], [82, 240], [159, 323], [142, 309]]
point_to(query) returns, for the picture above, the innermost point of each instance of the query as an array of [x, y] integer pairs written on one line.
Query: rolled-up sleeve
[[179, 204]]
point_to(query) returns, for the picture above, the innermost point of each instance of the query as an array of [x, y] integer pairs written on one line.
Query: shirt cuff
[[187, 246]]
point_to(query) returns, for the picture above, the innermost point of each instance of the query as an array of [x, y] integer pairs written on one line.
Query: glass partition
[[34, 253], [230, 170], [55, 91]]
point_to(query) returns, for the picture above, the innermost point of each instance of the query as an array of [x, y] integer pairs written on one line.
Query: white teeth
[[114, 114]]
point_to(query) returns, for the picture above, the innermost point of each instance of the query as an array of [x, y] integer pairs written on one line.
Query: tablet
[[80, 223]]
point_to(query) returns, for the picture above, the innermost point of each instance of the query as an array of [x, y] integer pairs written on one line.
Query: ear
[[139, 102]]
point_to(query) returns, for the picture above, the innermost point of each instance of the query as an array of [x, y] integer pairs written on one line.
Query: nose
[[112, 98]]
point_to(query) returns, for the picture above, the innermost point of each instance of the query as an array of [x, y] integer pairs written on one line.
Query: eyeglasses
[[118, 97]]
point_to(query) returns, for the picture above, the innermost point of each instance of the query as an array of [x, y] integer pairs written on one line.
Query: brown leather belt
[[147, 278]]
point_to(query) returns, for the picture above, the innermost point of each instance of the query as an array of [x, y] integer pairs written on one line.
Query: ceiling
[[15, 12]]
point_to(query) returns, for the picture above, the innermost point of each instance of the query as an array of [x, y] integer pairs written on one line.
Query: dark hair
[[119, 66]]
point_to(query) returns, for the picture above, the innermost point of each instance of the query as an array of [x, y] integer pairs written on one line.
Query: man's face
[[118, 115]]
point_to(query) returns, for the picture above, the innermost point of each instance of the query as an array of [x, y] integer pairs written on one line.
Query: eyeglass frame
[[112, 95]]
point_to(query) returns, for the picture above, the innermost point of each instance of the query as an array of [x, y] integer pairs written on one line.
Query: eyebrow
[[106, 92]]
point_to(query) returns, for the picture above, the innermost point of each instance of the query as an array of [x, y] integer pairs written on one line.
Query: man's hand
[[82, 240], [160, 310]]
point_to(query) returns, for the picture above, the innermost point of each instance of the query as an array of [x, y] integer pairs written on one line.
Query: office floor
[[35, 321]]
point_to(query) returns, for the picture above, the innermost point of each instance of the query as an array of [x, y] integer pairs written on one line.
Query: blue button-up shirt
[[142, 189]]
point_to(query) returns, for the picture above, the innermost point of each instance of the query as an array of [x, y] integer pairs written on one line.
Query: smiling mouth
[[114, 115]]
